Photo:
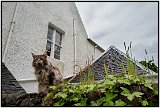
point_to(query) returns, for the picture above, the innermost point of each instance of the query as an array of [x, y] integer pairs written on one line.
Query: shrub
[[113, 91]]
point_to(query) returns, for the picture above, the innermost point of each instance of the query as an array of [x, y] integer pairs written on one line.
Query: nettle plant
[[129, 89]]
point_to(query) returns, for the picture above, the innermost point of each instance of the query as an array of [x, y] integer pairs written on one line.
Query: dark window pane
[[50, 31], [48, 48], [57, 51], [50, 34], [49, 37], [57, 47], [48, 53], [58, 38], [57, 56]]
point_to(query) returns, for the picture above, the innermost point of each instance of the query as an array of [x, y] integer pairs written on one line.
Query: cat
[[46, 73]]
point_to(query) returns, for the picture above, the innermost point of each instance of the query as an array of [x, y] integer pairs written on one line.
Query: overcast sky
[[113, 23]]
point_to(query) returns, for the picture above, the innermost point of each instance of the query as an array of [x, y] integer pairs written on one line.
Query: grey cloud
[[113, 23], [152, 50]]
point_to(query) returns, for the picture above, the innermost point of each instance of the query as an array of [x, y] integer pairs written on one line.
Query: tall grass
[[87, 75]]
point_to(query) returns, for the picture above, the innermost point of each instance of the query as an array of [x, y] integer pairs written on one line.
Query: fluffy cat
[[46, 73]]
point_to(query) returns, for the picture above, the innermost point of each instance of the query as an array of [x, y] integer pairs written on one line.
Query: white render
[[30, 36]]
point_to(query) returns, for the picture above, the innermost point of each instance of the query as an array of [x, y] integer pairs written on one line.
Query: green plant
[[106, 70], [150, 65], [120, 103], [131, 65], [86, 75], [107, 92], [129, 95]]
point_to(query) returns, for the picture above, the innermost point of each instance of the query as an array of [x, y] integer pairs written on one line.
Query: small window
[[54, 40]]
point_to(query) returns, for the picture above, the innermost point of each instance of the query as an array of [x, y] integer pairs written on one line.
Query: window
[[54, 40]]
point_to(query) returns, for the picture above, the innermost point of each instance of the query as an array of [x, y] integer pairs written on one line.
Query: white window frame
[[54, 43]]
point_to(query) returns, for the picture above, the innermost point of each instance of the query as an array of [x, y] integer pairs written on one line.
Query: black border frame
[[80, 1]]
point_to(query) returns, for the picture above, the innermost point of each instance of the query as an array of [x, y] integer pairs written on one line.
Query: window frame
[[60, 46], [53, 42]]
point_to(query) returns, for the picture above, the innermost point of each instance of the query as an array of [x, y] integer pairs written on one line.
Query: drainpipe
[[10, 31], [75, 53]]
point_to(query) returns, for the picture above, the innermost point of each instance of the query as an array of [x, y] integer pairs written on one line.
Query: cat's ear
[[45, 53], [33, 55]]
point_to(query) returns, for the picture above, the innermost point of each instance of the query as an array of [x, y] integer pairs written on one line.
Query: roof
[[148, 71], [9, 83], [114, 59], [95, 44]]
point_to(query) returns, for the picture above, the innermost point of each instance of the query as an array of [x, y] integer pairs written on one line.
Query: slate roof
[[113, 59], [9, 83]]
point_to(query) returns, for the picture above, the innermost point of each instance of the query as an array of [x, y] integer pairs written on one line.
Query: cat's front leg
[[45, 89]]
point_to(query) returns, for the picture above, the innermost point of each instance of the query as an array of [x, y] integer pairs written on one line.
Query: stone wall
[[22, 99]]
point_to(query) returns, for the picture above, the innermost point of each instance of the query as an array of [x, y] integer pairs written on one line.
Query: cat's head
[[39, 61]]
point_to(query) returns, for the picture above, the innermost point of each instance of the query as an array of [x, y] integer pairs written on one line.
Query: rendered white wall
[[30, 86], [7, 13], [91, 52]]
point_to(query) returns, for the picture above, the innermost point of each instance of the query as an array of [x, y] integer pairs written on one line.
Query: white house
[[33, 27]]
